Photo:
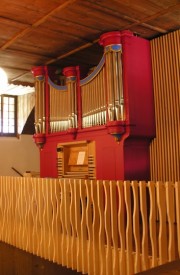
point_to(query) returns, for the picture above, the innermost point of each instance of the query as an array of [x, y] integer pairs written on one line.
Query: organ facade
[[101, 126]]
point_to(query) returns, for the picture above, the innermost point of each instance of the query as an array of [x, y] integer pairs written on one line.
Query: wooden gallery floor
[[14, 261]]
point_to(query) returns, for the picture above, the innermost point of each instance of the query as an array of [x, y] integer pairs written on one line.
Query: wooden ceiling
[[65, 33]]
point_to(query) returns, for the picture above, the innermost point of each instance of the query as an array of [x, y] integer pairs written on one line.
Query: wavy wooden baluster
[[50, 216], [152, 223], [1, 207], [114, 227], [62, 210], [136, 228], [95, 227], [102, 251], [60, 224], [63, 218], [67, 222], [35, 216], [18, 226], [58, 232], [29, 215], [73, 225], [83, 226], [171, 219], [54, 218], [23, 213], [161, 202], [19, 229], [12, 208], [143, 208], [177, 194], [89, 217], [78, 225], [44, 224], [5, 209], [8, 223], [127, 195], [3, 200], [107, 214], [121, 227]]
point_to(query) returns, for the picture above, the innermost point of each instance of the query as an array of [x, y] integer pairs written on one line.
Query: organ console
[[114, 100]]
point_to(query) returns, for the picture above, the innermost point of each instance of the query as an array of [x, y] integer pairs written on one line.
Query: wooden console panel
[[76, 160]]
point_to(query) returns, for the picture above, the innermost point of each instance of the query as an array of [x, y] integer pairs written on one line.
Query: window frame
[[2, 134]]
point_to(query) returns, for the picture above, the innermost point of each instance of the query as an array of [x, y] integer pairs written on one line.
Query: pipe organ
[[112, 108]]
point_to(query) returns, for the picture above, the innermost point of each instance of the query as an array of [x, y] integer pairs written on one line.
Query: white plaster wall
[[20, 153]]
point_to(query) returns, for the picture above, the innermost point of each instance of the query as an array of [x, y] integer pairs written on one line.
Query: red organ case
[[99, 127]]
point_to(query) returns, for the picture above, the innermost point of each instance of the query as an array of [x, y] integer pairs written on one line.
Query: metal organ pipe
[[39, 105], [59, 109], [93, 97], [114, 82], [63, 103]]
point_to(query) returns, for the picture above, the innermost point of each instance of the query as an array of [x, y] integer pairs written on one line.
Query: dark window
[[8, 115]]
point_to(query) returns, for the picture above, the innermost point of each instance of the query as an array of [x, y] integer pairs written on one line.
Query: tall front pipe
[[71, 81], [111, 42], [39, 75]]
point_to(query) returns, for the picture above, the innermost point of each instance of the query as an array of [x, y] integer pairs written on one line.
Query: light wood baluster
[[152, 223], [143, 208], [102, 249], [177, 196], [121, 227], [107, 213], [89, 221], [171, 219], [114, 227], [129, 259], [136, 227], [161, 203], [83, 228]]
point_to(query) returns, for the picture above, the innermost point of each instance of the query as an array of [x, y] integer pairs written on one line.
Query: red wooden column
[[135, 129]]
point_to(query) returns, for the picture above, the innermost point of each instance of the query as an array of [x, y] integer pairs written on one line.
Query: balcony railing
[[96, 227]]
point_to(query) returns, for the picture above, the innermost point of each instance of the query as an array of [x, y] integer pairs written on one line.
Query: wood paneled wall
[[165, 149]]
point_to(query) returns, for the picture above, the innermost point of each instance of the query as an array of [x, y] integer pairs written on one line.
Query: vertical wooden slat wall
[[165, 149], [95, 227]]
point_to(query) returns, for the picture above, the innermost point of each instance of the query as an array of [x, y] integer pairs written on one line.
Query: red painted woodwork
[[127, 159]]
